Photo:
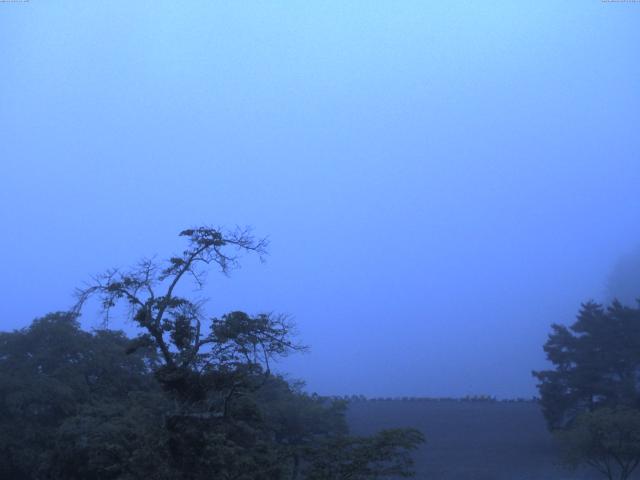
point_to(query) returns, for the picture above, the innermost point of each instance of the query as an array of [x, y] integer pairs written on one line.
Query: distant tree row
[[468, 398]]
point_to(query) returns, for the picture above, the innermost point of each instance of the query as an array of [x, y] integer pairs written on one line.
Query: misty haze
[[319, 240]]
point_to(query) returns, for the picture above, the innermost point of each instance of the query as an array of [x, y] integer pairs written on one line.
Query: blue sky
[[440, 181]]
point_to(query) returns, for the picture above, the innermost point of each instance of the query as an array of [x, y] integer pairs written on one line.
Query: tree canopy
[[591, 398], [189, 397]]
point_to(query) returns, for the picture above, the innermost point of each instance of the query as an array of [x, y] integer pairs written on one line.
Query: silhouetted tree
[[172, 323], [594, 387], [232, 419]]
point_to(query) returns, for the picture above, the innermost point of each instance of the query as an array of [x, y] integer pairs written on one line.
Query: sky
[[439, 181]]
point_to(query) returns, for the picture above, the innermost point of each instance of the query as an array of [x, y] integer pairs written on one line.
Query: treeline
[[194, 398], [78, 405], [190, 397], [467, 398]]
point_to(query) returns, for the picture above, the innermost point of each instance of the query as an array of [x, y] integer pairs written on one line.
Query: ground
[[469, 440]]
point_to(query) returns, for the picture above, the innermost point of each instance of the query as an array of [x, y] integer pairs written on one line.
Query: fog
[[439, 181]]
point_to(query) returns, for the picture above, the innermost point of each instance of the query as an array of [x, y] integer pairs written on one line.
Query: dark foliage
[[75, 405], [189, 398], [594, 389], [607, 439], [71, 401], [596, 363]]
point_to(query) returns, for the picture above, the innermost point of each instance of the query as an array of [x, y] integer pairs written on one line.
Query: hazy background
[[440, 181]]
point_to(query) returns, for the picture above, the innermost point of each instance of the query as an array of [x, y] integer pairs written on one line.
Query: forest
[[319, 240], [189, 397], [194, 397]]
